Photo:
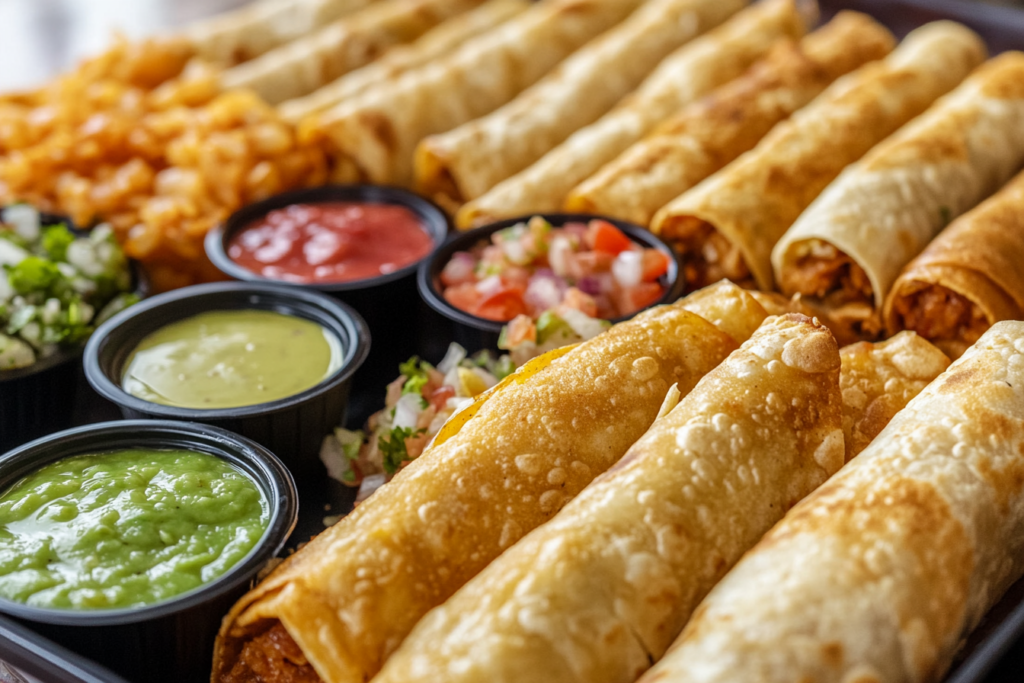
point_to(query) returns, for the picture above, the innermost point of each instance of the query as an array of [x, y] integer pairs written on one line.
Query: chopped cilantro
[[416, 375], [56, 240], [33, 274], [393, 449]]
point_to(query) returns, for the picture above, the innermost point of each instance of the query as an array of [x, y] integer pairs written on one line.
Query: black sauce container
[[39, 399], [475, 333], [292, 427], [171, 640], [401, 325]]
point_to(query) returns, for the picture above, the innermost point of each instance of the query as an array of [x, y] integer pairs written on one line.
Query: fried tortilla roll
[[727, 225], [968, 278], [345, 601], [880, 574], [879, 379], [687, 74], [373, 136], [849, 246], [304, 65], [710, 133], [598, 593], [396, 61], [238, 36], [466, 162]]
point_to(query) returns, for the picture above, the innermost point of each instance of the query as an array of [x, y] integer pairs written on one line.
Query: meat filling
[[708, 256], [940, 314], [838, 282], [272, 657]]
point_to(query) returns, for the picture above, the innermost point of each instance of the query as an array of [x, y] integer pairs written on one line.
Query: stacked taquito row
[[338, 608], [848, 248], [598, 593], [881, 573]]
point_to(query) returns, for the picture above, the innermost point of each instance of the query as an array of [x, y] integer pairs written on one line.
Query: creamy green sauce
[[227, 359], [125, 528]]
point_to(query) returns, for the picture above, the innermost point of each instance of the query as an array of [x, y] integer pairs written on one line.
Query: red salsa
[[331, 242]]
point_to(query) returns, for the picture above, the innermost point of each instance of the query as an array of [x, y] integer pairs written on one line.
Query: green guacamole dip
[[227, 359], [125, 528]]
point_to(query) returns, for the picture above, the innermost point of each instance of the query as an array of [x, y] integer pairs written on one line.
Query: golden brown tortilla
[[712, 132], [882, 572]]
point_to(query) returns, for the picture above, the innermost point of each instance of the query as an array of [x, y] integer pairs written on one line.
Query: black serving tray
[[994, 652]]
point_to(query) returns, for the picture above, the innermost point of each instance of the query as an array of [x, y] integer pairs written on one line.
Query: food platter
[[401, 324]]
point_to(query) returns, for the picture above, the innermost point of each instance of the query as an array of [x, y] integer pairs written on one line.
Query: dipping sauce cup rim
[[261, 466], [275, 297], [427, 277], [432, 218]]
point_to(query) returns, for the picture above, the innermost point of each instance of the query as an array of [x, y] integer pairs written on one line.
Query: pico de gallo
[[534, 267], [423, 397]]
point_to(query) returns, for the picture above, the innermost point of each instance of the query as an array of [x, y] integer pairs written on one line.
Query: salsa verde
[[125, 528], [227, 359]]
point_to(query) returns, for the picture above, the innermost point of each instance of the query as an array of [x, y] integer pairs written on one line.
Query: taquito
[[879, 379], [465, 162], [302, 66], [848, 248], [396, 61], [712, 132], [970, 277], [373, 136], [240, 35], [689, 73], [345, 601], [881, 573], [727, 225], [598, 593]]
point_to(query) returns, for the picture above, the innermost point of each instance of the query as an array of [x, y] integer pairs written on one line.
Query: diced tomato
[[655, 264], [632, 299], [607, 238], [464, 297], [439, 397], [503, 305], [515, 277], [593, 262], [522, 328], [581, 301]]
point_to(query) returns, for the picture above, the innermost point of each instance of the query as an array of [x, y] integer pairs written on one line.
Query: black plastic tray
[[994, 653]]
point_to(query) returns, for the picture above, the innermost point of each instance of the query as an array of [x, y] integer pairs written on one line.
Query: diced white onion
[[407, 411], [627, 268], [452, 358], [24, 218]]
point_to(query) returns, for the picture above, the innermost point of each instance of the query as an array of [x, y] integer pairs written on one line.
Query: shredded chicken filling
[[708, 256], [272, 657], [838, 282], [938, 313]]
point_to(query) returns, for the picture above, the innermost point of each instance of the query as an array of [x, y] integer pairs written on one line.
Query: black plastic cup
[[475, 333], [40, 399], [170, 640], [291, 427], [401, 325]]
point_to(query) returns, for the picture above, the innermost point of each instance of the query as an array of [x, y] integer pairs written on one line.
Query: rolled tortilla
[[969, 278], [238, 36], [880, 574], [879, 379], [848, 248], [300, 67], [396, 61], [345, 601], [712, 132], [598, 593], [467, 161], [373, 136], [687, 74], [727, 225]]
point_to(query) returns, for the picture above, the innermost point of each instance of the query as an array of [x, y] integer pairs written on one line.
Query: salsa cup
[[475, 333], [291, 427], [400, 323], [170, 640]]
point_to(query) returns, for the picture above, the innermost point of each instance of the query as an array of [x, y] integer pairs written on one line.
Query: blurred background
[[43, 37]]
